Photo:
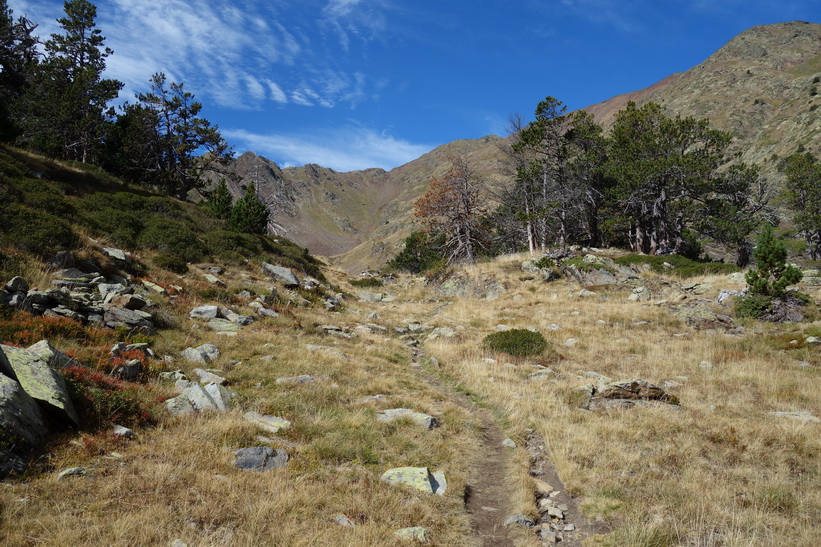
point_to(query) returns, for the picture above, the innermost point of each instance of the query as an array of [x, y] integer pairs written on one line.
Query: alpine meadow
[[601, 328]]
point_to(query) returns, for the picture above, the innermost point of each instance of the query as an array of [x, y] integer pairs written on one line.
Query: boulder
[[520, 520], [223, 325], [261, 458], [115, 316], [639, 294], [116, 255], [703, 318], [442, 332], [633, 389], [40, 381], [214, 280], [10, 463], [54, 357], [425, 420], [204, 312], [419, 478], [17, 284], [197, 398], [20, 417], [203, 354], [283, 275]]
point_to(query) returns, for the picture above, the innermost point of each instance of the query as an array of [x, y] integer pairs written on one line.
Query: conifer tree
[[65, 111], [249, 214], [804, 192], [18, 56], [771, 275], [219, 202]]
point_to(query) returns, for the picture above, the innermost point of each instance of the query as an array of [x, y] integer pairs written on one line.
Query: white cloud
[[348, 149], [276, 92]]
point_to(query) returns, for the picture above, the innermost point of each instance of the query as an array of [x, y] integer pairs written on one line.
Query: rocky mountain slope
[[762, 86]]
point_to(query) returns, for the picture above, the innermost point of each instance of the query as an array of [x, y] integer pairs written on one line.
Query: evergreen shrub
[[516, 342]]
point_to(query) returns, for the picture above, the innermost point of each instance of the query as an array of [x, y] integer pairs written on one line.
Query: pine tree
[[18, 56], [771, 275], [804, 192], [219, 202], [64, 112], [249, 214]]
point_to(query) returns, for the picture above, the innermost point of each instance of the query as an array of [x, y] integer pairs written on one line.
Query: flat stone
[[414, 533], [419, 478], [261, 458], [425, 420], [214, 280], [54, 357], [519, 520], [204, 312], [509, 443], [343, 520], [122, 431], [72, 472], [295, 380], [271, 424], [801, 415]]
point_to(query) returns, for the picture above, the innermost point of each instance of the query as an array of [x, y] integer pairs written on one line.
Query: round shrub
[[172, 237], [516, 342], [171, 263]]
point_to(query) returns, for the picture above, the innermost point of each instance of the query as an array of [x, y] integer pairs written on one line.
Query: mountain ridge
[[762, 86]]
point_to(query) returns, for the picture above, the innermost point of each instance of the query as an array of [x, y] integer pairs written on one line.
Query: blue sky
[[352, 84]]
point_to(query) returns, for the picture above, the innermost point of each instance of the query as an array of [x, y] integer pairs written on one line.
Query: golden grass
[[719, 471]]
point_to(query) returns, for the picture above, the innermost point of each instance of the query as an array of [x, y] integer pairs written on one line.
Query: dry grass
[[720, 471]]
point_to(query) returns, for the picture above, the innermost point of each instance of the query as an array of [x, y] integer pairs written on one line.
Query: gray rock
[[122, 431], [295, 380], [236, 318], [509, 443], [223, 325], [129, 371], [20, 417], [40, 381], [633, 389], [116, 255], [639, 294], [153, 287], [54, 357], [519, 520], [366, 296], [10, 463], [116, 316], [425, 420], [442, 332], [343, 520], [17, 284], [214, 280], [419, 478], [283, 275], [203, 354], [204, 312], [261, 458], [112, 288], [207, 377], [72, 472], [179, 406]]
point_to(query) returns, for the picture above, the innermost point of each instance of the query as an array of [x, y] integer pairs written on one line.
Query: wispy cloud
[[228, 52], [615, 13], [348, 149]]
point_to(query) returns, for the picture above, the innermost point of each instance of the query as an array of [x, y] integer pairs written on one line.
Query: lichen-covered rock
[[20, 417], [48, 353], [204, 312], [17, 284], [414, 533], [419, 478], [40, 381], [633, 389], [272, 424]]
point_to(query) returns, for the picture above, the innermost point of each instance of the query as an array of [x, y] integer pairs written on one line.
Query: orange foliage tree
[[452, 208]]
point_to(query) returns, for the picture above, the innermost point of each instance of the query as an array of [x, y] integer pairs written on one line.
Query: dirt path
[[486, 494]]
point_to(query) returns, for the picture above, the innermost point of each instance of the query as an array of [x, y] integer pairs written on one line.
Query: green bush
[[34, 231], [421, 253], [516, 342], [752, 305], [579, 263], [545, 262], [171, 263], [172, 237], [367, 282], [227, 245], [771, 275], [682, 267]]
